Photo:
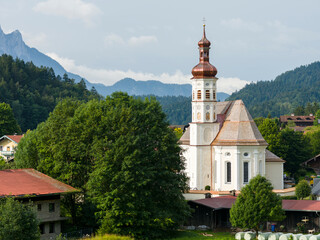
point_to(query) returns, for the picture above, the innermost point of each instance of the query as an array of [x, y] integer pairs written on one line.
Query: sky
[[105, 41]]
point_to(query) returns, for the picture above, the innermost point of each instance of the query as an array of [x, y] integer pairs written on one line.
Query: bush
[[303, 189], [207, 188]]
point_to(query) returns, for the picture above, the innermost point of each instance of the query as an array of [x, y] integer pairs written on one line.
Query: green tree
[[270, 132], [8, 124], [303, 189], [18, 221], [294, 147], [316, 118], [255, 205], [121, 152], [138, 180]]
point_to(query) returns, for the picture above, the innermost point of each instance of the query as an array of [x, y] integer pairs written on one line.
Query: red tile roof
[[217, 202], [15, 138], [20, 182], [287, 205], [309, 119], [301, 205]]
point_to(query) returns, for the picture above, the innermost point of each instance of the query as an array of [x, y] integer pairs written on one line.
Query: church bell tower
[[204, 126], [204, 95]]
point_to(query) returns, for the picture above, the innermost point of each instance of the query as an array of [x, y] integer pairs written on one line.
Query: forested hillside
[[33, 92], [282, 95]]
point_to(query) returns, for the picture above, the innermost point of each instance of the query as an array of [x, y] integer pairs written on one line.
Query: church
[[223, 147]]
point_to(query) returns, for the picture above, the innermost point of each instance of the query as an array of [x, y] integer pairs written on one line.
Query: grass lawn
[[180, 235]]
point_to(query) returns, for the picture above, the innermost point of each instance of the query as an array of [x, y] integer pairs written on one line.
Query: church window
[[246, 154], [228, 172], [214, 95], [207, 94], [198, 116], [207, 116], [245, 172], [201, 54], [228, 154], [199, 94], [214, 116]]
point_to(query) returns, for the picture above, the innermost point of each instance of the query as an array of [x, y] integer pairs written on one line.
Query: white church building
[[223, 147]]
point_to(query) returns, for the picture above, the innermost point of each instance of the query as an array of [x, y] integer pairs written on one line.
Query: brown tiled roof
[[239, 128], [297, 118], [271, 157], [287, 205], [20, 182], [15, 138]]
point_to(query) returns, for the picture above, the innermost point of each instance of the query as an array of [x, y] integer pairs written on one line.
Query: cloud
[[114, 39], [109, 77], [240, 24], [34, 40], [142, 40], [72, 9]]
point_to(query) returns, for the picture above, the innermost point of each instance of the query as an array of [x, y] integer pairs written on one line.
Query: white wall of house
[[274, 172]]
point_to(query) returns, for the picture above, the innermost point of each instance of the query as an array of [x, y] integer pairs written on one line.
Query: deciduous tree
[[18, 221], [255, 205], [303, 189]]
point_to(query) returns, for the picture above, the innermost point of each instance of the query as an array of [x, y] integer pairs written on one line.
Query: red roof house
[[44, 193]]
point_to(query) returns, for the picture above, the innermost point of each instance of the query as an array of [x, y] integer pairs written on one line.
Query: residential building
[[43, 191], [8, 144]]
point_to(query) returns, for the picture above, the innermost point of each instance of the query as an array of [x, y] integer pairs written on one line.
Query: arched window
[[207, 94], [245, 172], [214, 95], [228, 172], [199, 94]]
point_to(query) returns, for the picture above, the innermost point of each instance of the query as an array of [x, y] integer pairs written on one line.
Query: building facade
[[8, 144], [223, 148], [43, 191]]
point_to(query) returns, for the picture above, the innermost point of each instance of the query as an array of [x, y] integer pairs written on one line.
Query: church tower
[[204, 126], [204, 85]]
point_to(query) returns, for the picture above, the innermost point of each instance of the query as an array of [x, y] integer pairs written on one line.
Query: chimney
[[311, 115], [292, 114]]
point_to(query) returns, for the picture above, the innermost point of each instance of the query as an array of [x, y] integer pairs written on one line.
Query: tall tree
[[255, 205], [303, 189], [121, 152], [270, 132], [8, 124], [18, 221]]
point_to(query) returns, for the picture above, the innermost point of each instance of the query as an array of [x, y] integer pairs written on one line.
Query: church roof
[[271, 157], [239, 128]]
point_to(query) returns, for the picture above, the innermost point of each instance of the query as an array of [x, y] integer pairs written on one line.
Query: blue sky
[[105, 41]]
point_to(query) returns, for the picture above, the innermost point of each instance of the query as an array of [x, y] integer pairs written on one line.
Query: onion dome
[[204, 69]]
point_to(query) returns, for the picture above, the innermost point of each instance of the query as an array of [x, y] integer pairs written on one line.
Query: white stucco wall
[[274, 173]]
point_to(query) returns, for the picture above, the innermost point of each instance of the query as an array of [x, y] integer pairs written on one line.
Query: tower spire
[[204, 69]]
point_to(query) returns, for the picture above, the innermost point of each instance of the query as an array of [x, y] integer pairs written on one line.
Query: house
[[301, 122], [43, 191], [214, 213], [223, 148], [8, 144]]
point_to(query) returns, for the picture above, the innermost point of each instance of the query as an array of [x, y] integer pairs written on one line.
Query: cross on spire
[[204, 21]]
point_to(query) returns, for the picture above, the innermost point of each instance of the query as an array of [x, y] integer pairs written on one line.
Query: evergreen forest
[[284, 94], [33, 92]]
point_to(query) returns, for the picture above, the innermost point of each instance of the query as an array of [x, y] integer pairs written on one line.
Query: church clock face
[[207, 107]]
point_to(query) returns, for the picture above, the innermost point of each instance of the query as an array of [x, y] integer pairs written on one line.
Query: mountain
[[157, 88], [33, 92], [283, 94], [13, 44]]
